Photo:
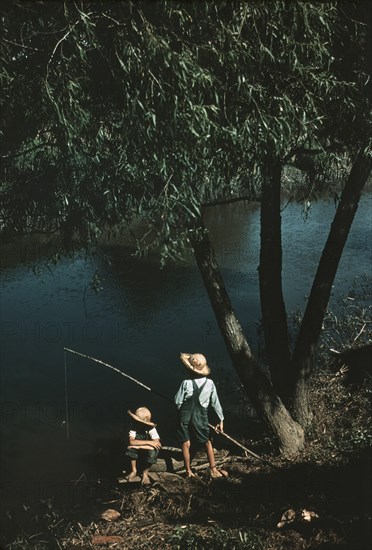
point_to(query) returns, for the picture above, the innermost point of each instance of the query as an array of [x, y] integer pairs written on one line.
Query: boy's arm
[[215, 402], [155, 443], [180, 395]]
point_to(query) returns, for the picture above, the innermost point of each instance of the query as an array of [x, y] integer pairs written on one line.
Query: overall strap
[[197, 390]]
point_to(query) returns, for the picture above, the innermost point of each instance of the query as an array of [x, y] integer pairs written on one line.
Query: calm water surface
[[139, 322]]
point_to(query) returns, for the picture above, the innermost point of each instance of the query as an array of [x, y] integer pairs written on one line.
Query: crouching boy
[[144, 443]]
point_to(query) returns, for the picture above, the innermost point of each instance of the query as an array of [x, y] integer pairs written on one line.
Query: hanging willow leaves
[[120, 96]]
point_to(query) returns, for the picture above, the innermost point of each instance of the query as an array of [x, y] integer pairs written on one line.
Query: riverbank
[[320, 505], [321, 499]]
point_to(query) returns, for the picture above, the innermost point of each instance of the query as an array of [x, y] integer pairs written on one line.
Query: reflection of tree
[[144, 286], [232, 246]]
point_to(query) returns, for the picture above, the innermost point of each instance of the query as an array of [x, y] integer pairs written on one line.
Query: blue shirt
[[208, 395]]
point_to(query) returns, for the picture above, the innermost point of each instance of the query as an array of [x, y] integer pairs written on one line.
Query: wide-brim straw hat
[[143, 416], [196, 363]]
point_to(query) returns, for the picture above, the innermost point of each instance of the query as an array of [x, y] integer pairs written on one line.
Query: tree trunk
[[274, 315], [318, 300], [268, 405]]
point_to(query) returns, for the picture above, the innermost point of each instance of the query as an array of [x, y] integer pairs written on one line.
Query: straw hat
[[142, 415], [196, 362]]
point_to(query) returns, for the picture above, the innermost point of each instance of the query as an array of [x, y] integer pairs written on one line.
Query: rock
[[288, 517], [309, 515], [110, 515], [166, 465]]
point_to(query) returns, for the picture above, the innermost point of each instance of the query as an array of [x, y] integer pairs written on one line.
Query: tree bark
[[302, 361], [274, 317], [268, 405]]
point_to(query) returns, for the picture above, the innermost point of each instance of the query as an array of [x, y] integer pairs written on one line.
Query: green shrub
[[203, 539]]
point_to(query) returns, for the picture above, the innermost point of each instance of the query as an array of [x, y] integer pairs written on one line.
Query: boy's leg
[[212, 463], [210, 455], [133, 473], [151, 458], [215, 472], [186, 458], [133, 455], [201, 429], [145, 477]]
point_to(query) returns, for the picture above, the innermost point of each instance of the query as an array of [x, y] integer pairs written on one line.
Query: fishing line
[[66, 400]]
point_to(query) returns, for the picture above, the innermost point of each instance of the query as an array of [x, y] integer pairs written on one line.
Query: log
[[170, 464], [203, 466]]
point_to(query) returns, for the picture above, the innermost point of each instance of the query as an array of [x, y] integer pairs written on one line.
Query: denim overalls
[[192, 413], [149, 456]]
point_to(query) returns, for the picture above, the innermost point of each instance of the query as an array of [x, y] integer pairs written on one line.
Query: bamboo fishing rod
[[157, 393]]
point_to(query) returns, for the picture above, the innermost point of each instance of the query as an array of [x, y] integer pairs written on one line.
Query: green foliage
[[342, 411], [216, 538], [119, 111], [341, 426], [348, 324]]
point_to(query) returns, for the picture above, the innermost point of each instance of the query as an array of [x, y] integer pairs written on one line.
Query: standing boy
[[144, 440], [196, 393]]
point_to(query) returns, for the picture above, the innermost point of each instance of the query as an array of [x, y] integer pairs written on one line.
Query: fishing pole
[[160, 395]]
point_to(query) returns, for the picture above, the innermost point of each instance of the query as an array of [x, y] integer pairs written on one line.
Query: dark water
[[139, 322]]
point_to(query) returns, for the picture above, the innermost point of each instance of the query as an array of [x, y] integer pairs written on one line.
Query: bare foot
[[145, 479], [215, 472], [132, 476]]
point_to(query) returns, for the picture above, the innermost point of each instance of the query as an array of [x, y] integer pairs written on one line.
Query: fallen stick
[[244, 448]]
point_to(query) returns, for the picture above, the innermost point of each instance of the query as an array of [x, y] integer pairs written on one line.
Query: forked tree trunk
[[268, 405], [318, 300], [274, 317]]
